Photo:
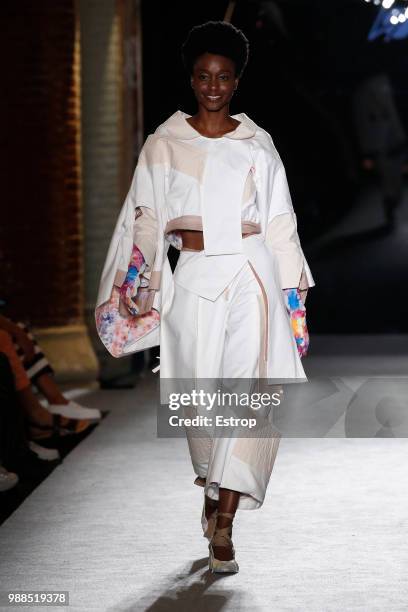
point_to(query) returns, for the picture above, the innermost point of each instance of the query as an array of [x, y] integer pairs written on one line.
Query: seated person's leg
[[37, 415], [40, 373]]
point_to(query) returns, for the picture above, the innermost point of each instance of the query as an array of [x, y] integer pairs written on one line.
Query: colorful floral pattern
[[131, 283], [118, 331], [297, 312]]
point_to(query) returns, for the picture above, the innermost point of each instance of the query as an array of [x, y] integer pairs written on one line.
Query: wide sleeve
[[281, 236], [138, 223], [150, 196], [145, 233]]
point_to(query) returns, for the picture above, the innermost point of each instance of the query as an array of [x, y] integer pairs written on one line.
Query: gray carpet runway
[[118, 523]]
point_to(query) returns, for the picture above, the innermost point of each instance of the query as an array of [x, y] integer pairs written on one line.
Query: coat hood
[[176, 126]]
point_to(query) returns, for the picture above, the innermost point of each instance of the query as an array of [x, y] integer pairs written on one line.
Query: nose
[[214, 84]]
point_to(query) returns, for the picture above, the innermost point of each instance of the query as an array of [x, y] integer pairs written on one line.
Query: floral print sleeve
[[297, 313], [131, 284], [116, 330]]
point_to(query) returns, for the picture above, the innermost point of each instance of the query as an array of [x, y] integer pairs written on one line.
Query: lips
[[213, 98]]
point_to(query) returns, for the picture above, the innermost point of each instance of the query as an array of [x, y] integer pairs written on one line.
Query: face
[[213, 81]]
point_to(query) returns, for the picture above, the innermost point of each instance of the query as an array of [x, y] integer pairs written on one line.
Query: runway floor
[[117, 524]]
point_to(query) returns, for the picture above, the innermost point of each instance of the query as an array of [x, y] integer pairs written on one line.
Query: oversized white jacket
[[224, 186]]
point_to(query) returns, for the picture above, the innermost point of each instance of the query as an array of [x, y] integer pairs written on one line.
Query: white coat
[[185, 180]]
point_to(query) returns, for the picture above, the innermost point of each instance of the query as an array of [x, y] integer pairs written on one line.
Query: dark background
[[298, 86]]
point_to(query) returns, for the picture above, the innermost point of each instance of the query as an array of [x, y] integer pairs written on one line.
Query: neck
[[212, 123]]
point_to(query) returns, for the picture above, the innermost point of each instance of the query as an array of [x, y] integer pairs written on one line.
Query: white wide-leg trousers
[[224, 338]]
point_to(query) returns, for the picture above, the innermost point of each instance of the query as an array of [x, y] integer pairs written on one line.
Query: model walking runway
[[213, 186]]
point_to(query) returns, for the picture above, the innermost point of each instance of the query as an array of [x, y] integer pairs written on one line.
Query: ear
[[191, 81], [236, 83]]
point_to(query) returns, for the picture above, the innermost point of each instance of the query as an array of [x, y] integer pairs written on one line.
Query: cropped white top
[[192, 208], [225, 186]]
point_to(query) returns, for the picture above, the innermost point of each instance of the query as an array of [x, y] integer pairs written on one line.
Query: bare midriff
[[189, 229], [193, 240]]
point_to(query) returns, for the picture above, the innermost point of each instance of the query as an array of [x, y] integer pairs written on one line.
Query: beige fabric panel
[[194, 222], [283, 241], [249, 188], [155, 280], [187, 159], [145, 233]]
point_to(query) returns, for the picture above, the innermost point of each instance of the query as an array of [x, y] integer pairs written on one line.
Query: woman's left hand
[[297, 312]]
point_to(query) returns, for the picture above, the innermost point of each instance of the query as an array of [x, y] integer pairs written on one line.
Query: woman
[[214, 186]]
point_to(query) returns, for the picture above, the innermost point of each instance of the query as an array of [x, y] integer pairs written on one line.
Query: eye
[[224, 77], [202, 77]]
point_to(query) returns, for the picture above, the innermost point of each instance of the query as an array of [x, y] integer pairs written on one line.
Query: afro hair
[[220, 38]]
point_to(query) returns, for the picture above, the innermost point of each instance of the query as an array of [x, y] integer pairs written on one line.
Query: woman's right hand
[[144, 300], [131, 284]]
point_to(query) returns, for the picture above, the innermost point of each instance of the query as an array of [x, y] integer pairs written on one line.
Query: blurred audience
[[17, 459], [23, 419], [39, 372]]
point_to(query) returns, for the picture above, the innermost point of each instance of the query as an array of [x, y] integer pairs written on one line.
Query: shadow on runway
[[185, 592]]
